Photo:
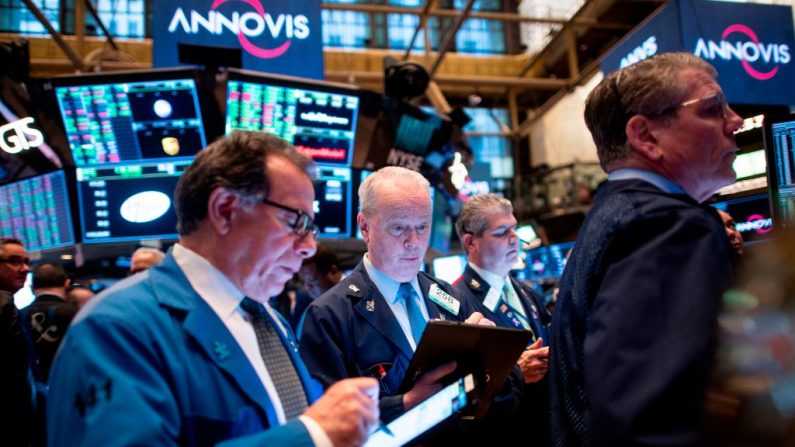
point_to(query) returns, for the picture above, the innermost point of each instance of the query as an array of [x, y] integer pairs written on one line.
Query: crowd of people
[[247, 331]]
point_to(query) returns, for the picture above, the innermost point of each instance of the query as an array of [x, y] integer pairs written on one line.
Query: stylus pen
[[385, 429]]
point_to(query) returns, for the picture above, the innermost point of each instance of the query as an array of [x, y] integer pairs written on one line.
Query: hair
[[368, 191], [236, 162], [48, 275], [324, 259], [9, 240], [474, 215], [154, 253], [651, 87]]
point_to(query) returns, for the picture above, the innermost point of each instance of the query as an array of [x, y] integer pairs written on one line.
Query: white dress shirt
[[224, 299], [497, 282]]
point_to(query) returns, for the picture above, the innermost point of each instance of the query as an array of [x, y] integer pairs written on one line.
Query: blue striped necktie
[[277, 360]]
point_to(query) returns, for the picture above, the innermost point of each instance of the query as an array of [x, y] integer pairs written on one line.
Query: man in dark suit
[[48, 316], [188, 352], [16, 396], [370, 322], [634, 325], [486, 228]]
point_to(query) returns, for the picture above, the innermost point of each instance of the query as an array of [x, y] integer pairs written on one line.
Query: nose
[[412, 237], [306, 246], [733, 121]]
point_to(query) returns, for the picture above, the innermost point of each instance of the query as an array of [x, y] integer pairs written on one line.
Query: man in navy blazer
[[170, 357], [362, 326], [486, 228], [634, 326]]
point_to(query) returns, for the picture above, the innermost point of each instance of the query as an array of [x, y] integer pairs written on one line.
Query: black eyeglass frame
[[16, 261], [303, 224]]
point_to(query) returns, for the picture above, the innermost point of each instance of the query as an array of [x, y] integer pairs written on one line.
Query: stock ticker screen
[[129, 120], [781, 160], [36, 210], [128, 202], [319, 121], [333, 202]]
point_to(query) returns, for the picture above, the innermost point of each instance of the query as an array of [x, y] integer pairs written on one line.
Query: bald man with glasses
[[635, 321], [189, 352]]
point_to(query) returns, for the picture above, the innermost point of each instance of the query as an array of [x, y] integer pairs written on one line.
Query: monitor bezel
[[770, 159]]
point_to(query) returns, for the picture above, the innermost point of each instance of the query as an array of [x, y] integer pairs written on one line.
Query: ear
[[468, 242], [641, 136], [221, 209], [363, 227]]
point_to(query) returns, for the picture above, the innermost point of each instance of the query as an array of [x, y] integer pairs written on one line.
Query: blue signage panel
[[660, 34], [749, 44], [275, 36]]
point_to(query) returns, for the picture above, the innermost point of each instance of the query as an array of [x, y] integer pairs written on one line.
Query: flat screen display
[[36, 210], [752, 216], [128, 202], [780, 151], [319, 119], [333, 202], [548, 261], [116, 118], [449, 268]]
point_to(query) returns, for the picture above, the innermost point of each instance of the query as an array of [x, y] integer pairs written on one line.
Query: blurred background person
[[735, 237], [16, 397], [145, 258], [320, 272], [79, 294]]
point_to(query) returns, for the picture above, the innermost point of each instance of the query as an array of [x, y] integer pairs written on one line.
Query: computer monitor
[[129, 202], [548, 261], [131, 116], [333, 202], [780, 150], [37, 211], [449, 268], [318, 118], [752, 216]]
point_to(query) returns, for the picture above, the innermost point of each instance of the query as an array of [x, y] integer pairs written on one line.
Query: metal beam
[[444, 79], [429, 5], [449, 36], [56, 36]]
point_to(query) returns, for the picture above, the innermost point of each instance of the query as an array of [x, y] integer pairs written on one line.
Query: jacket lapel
[[211, 335], [374, 309]]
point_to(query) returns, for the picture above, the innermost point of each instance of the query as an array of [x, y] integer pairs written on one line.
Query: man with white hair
[[370, 322]]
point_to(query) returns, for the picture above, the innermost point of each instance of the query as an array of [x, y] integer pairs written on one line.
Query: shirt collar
[[386, 285], [212, 285], [491, 278], [647, 176]]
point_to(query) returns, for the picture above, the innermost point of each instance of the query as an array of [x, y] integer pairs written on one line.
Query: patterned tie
[[416, 320], [511, 306], [280, 367]]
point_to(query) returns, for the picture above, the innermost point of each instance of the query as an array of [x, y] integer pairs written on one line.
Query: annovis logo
[[255, 24], [748, 50]]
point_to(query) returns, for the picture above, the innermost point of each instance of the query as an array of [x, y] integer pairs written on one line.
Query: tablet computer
[[487, 352], [428, 414]]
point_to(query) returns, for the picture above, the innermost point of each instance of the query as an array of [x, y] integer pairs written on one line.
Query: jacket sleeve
[[109, 387]]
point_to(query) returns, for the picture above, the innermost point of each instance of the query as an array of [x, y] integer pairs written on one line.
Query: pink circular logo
[[754, 73], [760, 223], [263, 53]]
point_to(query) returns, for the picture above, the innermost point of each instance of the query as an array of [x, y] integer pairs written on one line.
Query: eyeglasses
[[15, 261], [303, 224], [716, 105]]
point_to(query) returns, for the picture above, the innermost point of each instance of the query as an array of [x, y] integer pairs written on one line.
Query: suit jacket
[[350, 331], [634, 327], [16, 395], [532, 416], [47, 319], [148, 362]]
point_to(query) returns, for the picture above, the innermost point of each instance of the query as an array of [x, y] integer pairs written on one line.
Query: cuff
[[316, 432]]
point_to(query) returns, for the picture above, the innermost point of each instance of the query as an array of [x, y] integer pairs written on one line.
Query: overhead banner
[[274, 36], [750, 45]]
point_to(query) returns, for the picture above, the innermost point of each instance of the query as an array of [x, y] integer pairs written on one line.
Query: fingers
[[347, 411], [479, 319]]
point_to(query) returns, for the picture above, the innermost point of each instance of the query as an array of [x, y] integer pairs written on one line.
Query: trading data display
[[333, 202], [320, 124], [129, 202], [784, 164], [36, 210], [131, 121]]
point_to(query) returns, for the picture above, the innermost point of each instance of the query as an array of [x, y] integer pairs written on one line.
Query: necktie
[[416, 319], [277, 360], [512, 307]]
